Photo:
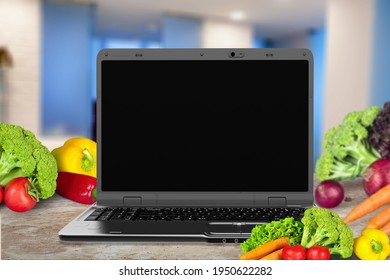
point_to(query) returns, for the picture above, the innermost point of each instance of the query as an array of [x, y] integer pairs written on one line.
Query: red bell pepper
[[77, 187]]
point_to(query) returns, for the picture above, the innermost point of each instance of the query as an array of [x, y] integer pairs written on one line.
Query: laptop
[[199, 144]]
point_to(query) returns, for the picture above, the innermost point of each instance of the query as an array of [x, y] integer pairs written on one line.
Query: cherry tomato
[[1, 194], [297, 252], [17, 197], [318, 253]]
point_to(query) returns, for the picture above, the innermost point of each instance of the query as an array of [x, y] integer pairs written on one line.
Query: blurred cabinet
[[5, 64]]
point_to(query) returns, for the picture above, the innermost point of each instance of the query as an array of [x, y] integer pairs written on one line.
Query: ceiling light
[[237, 15]]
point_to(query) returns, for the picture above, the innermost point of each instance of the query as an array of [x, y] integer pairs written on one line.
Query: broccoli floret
[[346, 150], [346, 240], [330, 167], [23, 155], [320, 231], [323, 227], [369, 115]]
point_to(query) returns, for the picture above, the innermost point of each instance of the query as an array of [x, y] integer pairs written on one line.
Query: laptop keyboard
[[194, 214]]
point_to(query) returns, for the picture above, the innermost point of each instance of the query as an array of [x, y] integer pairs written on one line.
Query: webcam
[[234, 54]]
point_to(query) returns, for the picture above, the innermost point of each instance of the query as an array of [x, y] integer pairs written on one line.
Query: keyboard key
[[195, 214]]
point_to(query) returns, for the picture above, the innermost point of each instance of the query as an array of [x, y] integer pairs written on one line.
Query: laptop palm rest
[[161, 227], [209, 228], [230, 227]]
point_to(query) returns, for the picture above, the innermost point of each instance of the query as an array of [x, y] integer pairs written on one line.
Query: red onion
[[376, 176], [329, 194]]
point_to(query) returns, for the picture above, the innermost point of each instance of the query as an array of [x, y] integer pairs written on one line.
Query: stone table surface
[[34, 235]]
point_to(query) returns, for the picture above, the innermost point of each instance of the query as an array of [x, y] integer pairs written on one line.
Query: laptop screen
[[204, 125]]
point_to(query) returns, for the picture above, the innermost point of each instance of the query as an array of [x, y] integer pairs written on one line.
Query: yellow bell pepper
[[77, 155], [373, 244]]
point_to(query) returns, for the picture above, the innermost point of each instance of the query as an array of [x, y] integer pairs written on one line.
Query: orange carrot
[[380, 219], [386, 228], [370, 204], [265, 249], [275, 255]]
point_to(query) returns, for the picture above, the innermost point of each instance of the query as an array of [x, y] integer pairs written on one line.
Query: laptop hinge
[[277, 201]]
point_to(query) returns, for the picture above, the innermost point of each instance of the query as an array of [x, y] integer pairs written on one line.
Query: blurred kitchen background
[[48, 50]]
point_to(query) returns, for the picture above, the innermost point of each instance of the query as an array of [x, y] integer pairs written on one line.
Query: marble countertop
[[34, 235]]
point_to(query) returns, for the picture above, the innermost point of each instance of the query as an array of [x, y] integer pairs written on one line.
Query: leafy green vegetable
[[323, 227], [287, 227], [379, 134], [346, 151], [23, 155]]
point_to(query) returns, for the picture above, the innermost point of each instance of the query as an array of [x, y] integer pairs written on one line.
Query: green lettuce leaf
[[287, 227]]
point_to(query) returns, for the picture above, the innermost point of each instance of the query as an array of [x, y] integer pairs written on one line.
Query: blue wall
[[317, 46], [66, 69], [68, 61], [380, 79], [181, 32]]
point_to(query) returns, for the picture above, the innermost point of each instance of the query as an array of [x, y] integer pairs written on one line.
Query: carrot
[[370, 204], [265, 249], [386, 228], [275, 255], [380, 219]]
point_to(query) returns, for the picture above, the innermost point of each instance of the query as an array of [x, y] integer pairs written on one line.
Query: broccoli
[[323, 227], [346, 151], [23, 155]]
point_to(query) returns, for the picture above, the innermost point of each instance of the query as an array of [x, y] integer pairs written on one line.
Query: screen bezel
[[200, 198]]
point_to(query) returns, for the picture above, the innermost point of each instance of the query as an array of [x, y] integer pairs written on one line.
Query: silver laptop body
[[212, 130]]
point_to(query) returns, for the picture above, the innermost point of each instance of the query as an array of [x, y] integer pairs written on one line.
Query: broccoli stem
[[9, 168], [7, 163], [307, 241], [14, 173], [364, 155], [344, 170]]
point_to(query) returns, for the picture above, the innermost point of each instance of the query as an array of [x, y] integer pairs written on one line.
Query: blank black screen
[[204, 125]]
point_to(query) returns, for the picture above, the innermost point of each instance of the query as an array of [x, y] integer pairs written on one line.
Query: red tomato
[[16, 195], [318, 253], [1, 194], [297, 252]]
